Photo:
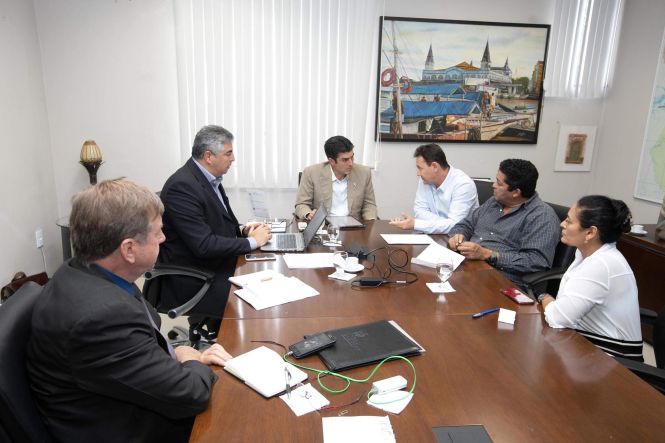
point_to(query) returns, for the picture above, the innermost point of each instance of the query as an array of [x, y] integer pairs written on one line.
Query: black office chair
[[197, 336], [20, 420], [540, 282], [654, 376], [484, 188]]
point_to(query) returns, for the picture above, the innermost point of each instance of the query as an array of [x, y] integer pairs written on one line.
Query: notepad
[[434, 253], [367, 343], [262, 369]]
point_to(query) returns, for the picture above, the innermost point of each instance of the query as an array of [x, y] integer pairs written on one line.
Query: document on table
[[305, 399], [367, 429], [263, 370], [276, 291], [255, 277], [434, 253], [407, 239], [309, 261]]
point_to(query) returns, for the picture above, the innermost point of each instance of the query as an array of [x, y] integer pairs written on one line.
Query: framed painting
[[575, 148], [460, 81]]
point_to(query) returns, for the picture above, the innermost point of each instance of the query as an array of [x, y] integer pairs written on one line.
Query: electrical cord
[[397, 259], [322, 373]]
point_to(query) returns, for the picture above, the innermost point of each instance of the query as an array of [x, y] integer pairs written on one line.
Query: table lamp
[[91, 159]]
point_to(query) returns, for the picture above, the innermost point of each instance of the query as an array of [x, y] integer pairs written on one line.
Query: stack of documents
[[267, 292], [309, 261], [407, 239], [434, 253], [264, 371]]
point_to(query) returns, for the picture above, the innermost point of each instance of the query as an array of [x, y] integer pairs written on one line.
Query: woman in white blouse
[[598, 294]]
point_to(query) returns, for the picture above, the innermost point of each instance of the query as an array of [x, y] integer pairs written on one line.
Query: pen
[[287, 377], [267, 279], [480, 314]]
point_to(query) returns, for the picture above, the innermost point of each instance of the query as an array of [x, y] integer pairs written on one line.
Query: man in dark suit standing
[[200, 227], [98, 366]]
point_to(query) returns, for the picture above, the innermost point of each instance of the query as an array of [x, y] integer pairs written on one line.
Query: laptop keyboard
[[287, 241]]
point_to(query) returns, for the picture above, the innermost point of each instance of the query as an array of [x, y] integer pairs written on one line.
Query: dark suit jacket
[[199, 233], [98, 370]]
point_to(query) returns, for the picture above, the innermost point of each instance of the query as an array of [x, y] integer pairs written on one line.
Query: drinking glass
[[333, 233], [339, 260], [444, 269]]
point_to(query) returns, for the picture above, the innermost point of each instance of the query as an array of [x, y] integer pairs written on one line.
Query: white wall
[[627, 107], [27, 194], [109, 74]]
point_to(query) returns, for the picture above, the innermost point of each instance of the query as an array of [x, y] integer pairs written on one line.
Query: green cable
[[349, 380]]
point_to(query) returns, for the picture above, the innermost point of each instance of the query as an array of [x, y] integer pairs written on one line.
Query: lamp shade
[[90, 152]]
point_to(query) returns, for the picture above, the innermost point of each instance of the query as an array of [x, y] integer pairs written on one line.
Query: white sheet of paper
[[259, 203], [344, 276], [434, 253], [439, 288], [367, 429], [305, 399], [507, 316], [309, 261], [394, 402], [407, 239], [276, 291], [254, 277]]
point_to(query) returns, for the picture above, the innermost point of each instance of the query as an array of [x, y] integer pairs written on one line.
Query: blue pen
[[480, 314]]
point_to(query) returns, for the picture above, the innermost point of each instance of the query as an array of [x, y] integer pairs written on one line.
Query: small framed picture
[[575, 148]]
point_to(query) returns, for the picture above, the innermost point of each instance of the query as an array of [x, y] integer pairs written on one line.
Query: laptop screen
[[314, 224]]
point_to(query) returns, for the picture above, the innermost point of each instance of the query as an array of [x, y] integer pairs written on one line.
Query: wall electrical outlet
[[39, 238]]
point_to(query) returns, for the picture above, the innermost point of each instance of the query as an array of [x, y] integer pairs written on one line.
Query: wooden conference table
[[525, 382]]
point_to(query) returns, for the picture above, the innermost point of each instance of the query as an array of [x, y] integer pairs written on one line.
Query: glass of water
[[333, 233], [444, 269], [339, 260]]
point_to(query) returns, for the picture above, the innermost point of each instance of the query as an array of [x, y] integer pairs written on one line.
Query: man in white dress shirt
[[343, 187], [445, 194]]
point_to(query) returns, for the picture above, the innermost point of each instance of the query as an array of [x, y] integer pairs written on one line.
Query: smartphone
[[311, 344], [517, 296], [259, 257]]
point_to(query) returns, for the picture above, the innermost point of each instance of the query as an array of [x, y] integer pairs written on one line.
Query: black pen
[[480, 314]]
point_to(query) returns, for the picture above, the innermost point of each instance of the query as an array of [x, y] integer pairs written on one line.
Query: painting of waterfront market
[[455, 81]]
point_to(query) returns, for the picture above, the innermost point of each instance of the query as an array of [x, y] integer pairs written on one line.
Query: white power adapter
[[389, 385]]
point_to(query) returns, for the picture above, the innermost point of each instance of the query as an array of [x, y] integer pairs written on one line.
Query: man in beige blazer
[[343, 188]]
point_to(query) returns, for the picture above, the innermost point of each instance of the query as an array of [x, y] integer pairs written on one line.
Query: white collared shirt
[[339, 204]]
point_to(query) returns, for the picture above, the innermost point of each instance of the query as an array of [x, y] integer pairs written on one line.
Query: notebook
[[296, 241], [367, 343], [263, 370]]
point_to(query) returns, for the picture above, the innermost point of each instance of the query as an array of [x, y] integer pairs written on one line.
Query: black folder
[[367, 343]]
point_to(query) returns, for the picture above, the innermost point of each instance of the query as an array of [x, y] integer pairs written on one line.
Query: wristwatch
[[542, 296], [493, 258]]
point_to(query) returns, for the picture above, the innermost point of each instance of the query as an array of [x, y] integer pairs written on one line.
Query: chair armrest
[[163, 269], [538, 277], [647, 316], [654, 376]]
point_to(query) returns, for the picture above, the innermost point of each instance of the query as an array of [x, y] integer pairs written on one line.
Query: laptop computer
[[296, 241], [258, 202]]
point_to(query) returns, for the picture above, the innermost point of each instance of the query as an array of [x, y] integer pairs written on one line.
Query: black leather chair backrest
[[484, 188], [659, 339], [564, 254], [19, 417]]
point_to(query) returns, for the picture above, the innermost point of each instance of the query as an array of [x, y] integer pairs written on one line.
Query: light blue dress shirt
[[437, 210]]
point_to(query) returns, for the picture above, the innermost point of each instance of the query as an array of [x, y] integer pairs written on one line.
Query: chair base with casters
[[197, 336]]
